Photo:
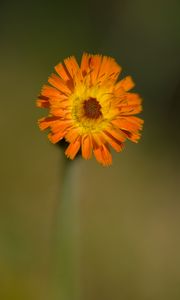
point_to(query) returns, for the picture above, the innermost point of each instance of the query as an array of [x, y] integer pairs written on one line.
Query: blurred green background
[[118, 231]]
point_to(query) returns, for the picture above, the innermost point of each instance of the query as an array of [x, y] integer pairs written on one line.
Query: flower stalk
[[66, 251]]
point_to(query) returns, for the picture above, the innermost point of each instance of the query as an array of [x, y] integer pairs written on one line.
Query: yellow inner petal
[[104, 96]]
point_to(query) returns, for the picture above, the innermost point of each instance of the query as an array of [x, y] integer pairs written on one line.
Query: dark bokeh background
[[120, 230]]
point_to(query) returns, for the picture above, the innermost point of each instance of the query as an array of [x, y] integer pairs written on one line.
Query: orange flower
[[89, 108]]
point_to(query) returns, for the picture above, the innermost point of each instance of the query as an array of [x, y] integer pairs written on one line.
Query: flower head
[[89, 108]]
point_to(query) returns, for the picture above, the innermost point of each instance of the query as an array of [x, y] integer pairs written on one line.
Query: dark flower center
[[92, 108]]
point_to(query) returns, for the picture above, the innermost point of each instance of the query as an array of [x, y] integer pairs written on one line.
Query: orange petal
[[85, 63], [126, 84], [130, 103], [103, 155], [73, 149], [46, 122], [60, 112], [97, 139], [43, 101], [136, 120], [49, 91], [133, 136], [72, 66], [74, 70], [116, 133], [127, 124], [131, 99], [58, 83], [56, 137], [130, 109], [86, 145], [95, 64], [62, 72], [72, 135], [61, 125], [59, 130], [109, 69], [116, 144]]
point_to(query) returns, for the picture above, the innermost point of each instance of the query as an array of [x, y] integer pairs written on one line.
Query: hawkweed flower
[[90, 108]]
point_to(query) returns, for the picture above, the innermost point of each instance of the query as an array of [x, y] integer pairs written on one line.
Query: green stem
[[66, 223]]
